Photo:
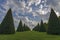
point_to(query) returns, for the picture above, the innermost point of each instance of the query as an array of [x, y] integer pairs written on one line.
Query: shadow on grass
[[7, 33], [53, 34]]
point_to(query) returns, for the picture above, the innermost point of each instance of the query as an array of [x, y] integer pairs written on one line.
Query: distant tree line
[[22, 27], [40, 28]]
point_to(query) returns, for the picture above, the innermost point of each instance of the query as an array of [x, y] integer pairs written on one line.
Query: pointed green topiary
[[53, 24], [42, 27], [7, 25], [20, 27]]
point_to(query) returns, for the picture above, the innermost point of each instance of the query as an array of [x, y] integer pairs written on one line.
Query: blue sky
[[29, 11]]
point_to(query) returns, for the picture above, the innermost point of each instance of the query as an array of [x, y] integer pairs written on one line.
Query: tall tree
[[36, 28], [42, 27], [7, 25], [20, 27], [53, 23]]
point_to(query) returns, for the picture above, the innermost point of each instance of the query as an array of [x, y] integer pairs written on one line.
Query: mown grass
[[30, 35]]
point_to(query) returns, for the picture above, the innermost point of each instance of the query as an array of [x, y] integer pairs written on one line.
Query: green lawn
[[30, 35]]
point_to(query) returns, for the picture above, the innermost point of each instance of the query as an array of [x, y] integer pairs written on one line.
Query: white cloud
[[34, 14], [57, 13], [30, 23], [27, 19], [28, 9], [37, 2], [22, 7], [41, 6], [55, 4], [43, 11], [30, 2]]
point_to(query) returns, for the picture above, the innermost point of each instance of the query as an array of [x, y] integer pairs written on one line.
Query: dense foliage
[[42, 27], [53, 23], [7, 25]]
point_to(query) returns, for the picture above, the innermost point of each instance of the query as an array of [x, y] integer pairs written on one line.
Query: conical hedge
[[42, 27], [20, 27], [53, 23], [7, 25]]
